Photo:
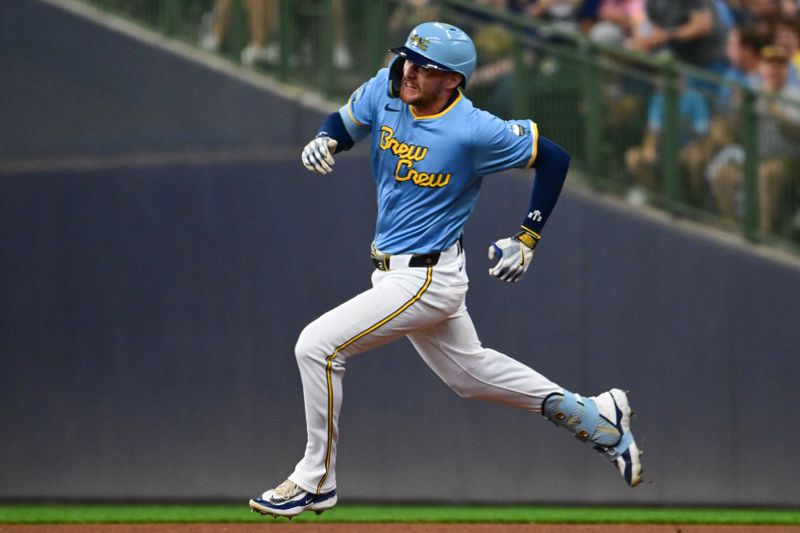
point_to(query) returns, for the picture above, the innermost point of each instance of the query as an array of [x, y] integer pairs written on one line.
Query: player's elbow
[[561, 157], [551, 153]]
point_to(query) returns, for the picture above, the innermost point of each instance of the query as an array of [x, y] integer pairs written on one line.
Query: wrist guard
[[528, 237]]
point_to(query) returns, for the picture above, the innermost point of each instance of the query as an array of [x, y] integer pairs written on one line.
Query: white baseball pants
[[426, 305]]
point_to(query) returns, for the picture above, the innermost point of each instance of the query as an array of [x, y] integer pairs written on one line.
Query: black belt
[[381, 262], [419, 260]]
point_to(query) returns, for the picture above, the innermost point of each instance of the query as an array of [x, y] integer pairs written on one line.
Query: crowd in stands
[[750, 43], [747, 43], [262, 49]]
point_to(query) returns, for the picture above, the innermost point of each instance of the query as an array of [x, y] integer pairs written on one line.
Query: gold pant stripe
[[347, 343]]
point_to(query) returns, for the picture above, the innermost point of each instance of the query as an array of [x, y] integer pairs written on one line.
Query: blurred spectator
[[564, 15], [693, 30], [475, 13], [738, 11], [408, 14], [642, 161], [341, 52], [493, 76], [744, 48], [764, 13], [787, 36], [744, 45], [778, 135], [261, 17], [492, 81], [588, 15], [725, 14], [778, 147], [618, 21], [497, 4], [791, 8]]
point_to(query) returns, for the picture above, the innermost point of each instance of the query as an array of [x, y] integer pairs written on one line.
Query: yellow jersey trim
[[329, 367], [441, 113], [535, 148]]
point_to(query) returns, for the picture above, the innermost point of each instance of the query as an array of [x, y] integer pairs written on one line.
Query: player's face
[[425, 87]]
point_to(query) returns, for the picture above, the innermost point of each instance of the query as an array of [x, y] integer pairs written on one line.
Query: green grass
[[35, 513]]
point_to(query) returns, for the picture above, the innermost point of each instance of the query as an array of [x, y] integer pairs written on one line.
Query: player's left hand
[[514, 256], [317, 155]]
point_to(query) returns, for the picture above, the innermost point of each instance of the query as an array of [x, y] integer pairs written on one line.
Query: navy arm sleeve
[[333, 127], [552, 163]]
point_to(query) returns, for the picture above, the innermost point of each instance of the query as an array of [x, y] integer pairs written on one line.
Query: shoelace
[[286, 490]]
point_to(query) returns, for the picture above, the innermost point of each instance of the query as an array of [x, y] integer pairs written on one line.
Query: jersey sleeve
[[359, 111], [504, 144]]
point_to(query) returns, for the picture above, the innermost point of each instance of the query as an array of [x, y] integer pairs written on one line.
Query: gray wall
[[148, 312]]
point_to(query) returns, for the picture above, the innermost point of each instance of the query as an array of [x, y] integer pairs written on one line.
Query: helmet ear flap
[[395, 76]]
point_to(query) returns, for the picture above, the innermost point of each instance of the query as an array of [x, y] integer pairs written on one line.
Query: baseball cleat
[[289, 500], [625, 455]]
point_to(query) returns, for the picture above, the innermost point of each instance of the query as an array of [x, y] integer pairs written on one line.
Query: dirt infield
[[392, 528]]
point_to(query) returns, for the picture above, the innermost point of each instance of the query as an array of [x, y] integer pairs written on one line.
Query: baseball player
[[430, 151]]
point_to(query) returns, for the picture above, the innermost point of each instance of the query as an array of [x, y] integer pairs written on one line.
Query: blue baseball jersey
[[428, 170]]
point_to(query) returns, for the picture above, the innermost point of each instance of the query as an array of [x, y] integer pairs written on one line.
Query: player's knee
[[309, 345]]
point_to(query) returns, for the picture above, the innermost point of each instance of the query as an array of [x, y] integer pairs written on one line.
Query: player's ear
[[453, 80]]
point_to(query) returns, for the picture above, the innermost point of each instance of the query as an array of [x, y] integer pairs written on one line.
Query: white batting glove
[[514, 255], [317, 155]]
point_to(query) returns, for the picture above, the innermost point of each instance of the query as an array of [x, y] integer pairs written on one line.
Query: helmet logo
[[420, 42]]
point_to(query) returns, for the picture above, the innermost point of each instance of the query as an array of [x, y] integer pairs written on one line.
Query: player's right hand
[[514, 256], [317, 155]]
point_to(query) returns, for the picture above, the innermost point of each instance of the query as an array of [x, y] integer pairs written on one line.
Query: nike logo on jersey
[[387, 108]]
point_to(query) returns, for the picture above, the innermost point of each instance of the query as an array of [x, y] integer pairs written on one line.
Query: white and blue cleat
[[625, 455], [289, 500], [605, 422]]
